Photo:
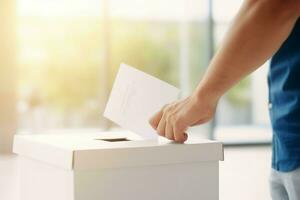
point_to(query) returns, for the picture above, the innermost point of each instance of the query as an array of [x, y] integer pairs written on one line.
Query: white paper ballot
[[135, 97]]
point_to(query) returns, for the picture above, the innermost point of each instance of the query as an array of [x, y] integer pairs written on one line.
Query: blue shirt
[[284, 96]]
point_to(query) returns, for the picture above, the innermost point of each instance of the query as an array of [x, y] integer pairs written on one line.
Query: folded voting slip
[[135, 97]]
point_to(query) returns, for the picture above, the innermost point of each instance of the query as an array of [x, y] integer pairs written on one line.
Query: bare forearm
[[257, 33]]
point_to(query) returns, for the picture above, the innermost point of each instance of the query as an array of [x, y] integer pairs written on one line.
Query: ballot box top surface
[[114, 149]]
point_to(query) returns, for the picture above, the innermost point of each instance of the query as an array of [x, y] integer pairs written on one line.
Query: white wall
[[7, 74]]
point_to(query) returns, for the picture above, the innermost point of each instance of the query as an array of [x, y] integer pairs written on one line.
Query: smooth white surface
[[9, 177], [135, 97], [90, 151], [41, 181], [87, 166], [243, 175], [190, 181]]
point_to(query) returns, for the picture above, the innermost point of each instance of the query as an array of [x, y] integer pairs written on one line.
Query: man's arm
[[257, 32]]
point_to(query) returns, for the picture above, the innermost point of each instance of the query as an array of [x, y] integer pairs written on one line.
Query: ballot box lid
[[114, 149]]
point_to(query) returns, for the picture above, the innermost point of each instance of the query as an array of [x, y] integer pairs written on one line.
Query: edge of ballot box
[[91, 151]]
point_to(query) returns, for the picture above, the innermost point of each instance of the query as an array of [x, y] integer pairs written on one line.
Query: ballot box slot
[[115, 140]]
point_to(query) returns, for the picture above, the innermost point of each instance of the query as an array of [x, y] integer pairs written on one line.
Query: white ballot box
[[116, 166]]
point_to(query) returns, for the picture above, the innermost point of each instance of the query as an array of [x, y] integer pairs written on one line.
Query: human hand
[[173, 120]]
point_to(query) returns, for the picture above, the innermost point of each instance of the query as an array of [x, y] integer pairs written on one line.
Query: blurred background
[[59, 58], [68, 53]]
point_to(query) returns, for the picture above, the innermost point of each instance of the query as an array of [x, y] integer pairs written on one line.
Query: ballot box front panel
[[189, 181]]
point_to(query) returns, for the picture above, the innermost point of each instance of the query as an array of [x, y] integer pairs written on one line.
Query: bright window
[[243, 112], [70, 52]]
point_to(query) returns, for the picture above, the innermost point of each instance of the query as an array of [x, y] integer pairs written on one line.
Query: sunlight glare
[[61, 8]]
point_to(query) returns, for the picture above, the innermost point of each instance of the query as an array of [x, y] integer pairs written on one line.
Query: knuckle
[[177, 120], [170, 118], [167, 116], [165, 108]]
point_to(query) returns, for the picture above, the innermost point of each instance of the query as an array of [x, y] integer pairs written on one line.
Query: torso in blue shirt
[[284, 94]]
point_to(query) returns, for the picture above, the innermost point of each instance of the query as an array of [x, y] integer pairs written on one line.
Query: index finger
[[155, 119]]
